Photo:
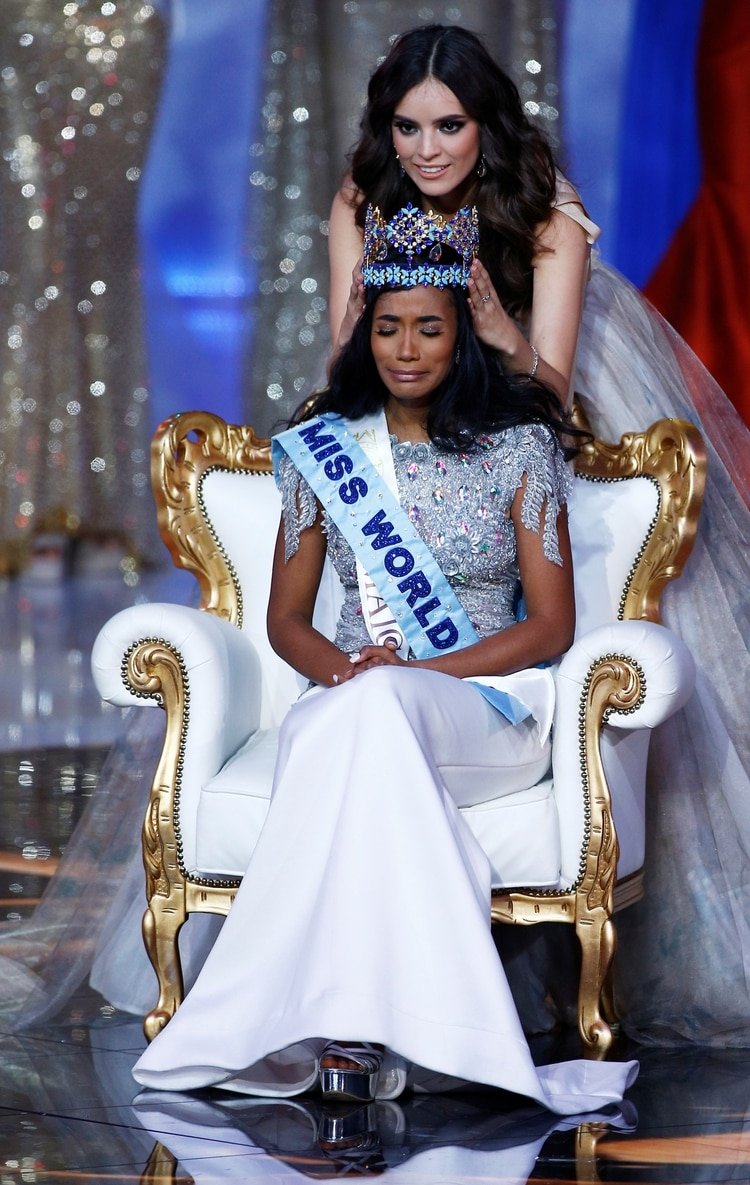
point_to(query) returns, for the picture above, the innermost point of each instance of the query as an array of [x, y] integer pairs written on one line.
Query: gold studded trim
[[188, 446], [153, 669], [671, 453], [230, 571], [221, 570], [614, 684], [183, 451]]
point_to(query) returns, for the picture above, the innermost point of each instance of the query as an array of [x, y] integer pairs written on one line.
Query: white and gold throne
[[570, 849]]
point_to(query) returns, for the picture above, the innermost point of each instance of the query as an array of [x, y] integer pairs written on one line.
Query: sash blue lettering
[[398, 561], [418, 586], [444, 635], [381, 530], [322, 453], [313, 439], [422, 612], [352, 490], [335, 470]]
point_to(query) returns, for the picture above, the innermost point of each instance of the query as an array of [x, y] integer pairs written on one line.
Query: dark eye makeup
[[448, 126]]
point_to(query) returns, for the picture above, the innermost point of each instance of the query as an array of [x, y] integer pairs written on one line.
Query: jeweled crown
[[415, 247]]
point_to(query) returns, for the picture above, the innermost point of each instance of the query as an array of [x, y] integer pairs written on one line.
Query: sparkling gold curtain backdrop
[[320, 56], [78, 89]]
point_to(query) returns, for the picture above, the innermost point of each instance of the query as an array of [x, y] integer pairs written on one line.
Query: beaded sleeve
[[548, 483], [299, 505]]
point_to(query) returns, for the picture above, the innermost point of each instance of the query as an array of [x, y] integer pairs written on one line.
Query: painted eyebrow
[[441, 119], [394, 317]]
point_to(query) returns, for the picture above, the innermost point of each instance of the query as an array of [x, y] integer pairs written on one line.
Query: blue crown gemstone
[[415, 247]]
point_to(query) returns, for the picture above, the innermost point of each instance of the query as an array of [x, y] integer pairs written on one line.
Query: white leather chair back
[[610, 522], [243, 510]]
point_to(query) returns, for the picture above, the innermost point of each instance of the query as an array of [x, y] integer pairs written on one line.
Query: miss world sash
[[326, 452], [380, 533], [371, 432]]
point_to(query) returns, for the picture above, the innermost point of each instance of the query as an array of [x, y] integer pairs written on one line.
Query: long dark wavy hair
[[475, 399], [514, 197]]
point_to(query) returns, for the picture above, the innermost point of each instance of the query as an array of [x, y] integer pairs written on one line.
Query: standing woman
[[423, 144], [444, 125], [449, 477]]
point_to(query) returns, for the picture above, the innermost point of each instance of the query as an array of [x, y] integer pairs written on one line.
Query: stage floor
[[69, 1108], [71, 1111]]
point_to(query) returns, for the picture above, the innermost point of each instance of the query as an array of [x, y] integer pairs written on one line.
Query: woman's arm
[[294, 587], [545, 633], [560, 273], [346, 292], [560, 277]]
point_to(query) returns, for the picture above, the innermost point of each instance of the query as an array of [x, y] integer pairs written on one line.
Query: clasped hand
[[369, 657]]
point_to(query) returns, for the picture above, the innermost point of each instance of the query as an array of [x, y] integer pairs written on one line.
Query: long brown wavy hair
[[514, 197]]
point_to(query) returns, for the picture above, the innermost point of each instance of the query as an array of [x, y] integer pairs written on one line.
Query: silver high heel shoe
[[356, 1084]]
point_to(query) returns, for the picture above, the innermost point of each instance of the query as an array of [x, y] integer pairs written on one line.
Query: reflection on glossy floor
[[69, 1109]]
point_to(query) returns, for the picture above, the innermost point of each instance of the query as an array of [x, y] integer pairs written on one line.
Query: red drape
[[702, 285]]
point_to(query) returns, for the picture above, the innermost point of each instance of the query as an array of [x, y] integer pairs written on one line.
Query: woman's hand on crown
[[492, 324], [354, 307]]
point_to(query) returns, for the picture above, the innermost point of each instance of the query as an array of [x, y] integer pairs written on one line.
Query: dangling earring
[[458, 355], [401, 167], [482, 168]]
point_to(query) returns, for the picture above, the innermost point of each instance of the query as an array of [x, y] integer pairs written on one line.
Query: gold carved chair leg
[[596, 934], [609, 1008], [162, 923], [588, 1136], [197, 446], [162, 1169]]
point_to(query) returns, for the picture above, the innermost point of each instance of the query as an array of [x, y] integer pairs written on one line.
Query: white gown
[[364, 912]]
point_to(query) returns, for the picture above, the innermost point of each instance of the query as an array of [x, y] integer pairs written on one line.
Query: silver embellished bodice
[[460, 504]]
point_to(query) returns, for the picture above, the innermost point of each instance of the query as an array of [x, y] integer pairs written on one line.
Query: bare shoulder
[[561, 235], [346, 202], [344, 236], [344, 253]]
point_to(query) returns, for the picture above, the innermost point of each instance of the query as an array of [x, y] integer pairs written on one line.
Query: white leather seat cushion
[[503, 827], [234, 804], [233, 807]]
